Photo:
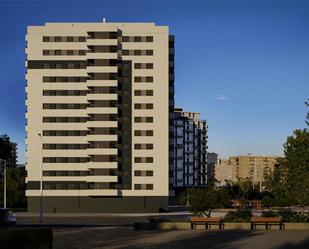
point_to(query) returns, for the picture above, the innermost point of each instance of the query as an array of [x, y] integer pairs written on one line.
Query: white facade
[[98, 93]]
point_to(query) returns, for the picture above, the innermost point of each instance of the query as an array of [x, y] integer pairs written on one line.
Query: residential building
[[190, 149], [252, 167], [12, 162], [223, 172], [212, 160], [100, 98]]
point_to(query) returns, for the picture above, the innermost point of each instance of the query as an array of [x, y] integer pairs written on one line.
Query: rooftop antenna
[[104, 20]]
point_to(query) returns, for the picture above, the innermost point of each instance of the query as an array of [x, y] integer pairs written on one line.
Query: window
[[125, 39], [143, 119], [57, 39], [137, 173], [82, 52], [143, 173], [149, 39], [149, 173], [81, 39], [149, 186], [149, 79], [137, 52], [138, 186], [143, 66], [137, 38], [149, 52], [143, 186], [45, 52], [149, 66], [45, 38], [125, 52], [143, 159], [143, 146], [57, 52], [138, 65], [139, 133], [147, 106], [143, 92]]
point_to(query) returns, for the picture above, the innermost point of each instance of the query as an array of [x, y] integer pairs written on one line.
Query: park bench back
[[266, 219], [206, 219]]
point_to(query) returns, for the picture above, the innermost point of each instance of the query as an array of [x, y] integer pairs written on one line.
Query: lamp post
[[41, 181], [4, 183]]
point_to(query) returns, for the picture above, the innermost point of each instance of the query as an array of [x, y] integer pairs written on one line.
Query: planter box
[[227, 226]]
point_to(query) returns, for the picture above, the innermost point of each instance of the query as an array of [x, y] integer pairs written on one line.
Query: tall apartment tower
[[100, 98], [190, 150]]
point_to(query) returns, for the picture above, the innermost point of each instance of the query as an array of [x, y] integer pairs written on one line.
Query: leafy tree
[[267, 201], [290, 181], [296, 151], [240, 215], [5, 147], [307, 117], [15, 178], [276, 183], [205, 200], [15, 188]]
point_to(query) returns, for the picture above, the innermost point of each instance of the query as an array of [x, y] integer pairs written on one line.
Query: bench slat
[[205, 219], [265, 219]]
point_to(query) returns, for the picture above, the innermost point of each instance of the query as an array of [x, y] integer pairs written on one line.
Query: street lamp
[[4, 183], [41, 181]]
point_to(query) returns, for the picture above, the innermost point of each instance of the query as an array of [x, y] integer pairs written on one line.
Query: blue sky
[[243, 65]]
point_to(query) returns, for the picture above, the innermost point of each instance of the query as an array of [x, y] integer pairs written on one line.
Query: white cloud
[[220, 97]]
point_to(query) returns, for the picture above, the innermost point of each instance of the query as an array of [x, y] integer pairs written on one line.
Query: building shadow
[[177, 239], [302, 245]]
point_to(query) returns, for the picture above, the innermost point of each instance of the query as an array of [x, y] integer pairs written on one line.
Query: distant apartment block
[[252, 167], [12, 162], [212, 160], [223, 172], [100, 101], [190, 149]]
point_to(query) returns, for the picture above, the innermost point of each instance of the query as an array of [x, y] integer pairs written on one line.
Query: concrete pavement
[[124, 237]]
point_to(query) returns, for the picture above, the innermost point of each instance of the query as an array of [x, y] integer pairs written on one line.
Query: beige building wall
[[35, 112], [223, 172], [252, 167]]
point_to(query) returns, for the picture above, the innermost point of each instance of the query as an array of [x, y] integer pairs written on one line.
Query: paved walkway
[[122, 237]]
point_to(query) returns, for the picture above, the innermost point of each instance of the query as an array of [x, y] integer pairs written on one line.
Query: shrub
[[291, 216], [158, 219], [270, 214], [267, 201], [240, 215]]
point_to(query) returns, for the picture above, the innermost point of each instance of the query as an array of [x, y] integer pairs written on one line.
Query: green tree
[[276, 183], [307, 117], [15, 188], [5, 147], [15, 178], [290, 181], [204, 200], [296, 151]]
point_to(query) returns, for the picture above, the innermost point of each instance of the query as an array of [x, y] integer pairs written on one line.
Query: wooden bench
[[207, 221], [267, 221]]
